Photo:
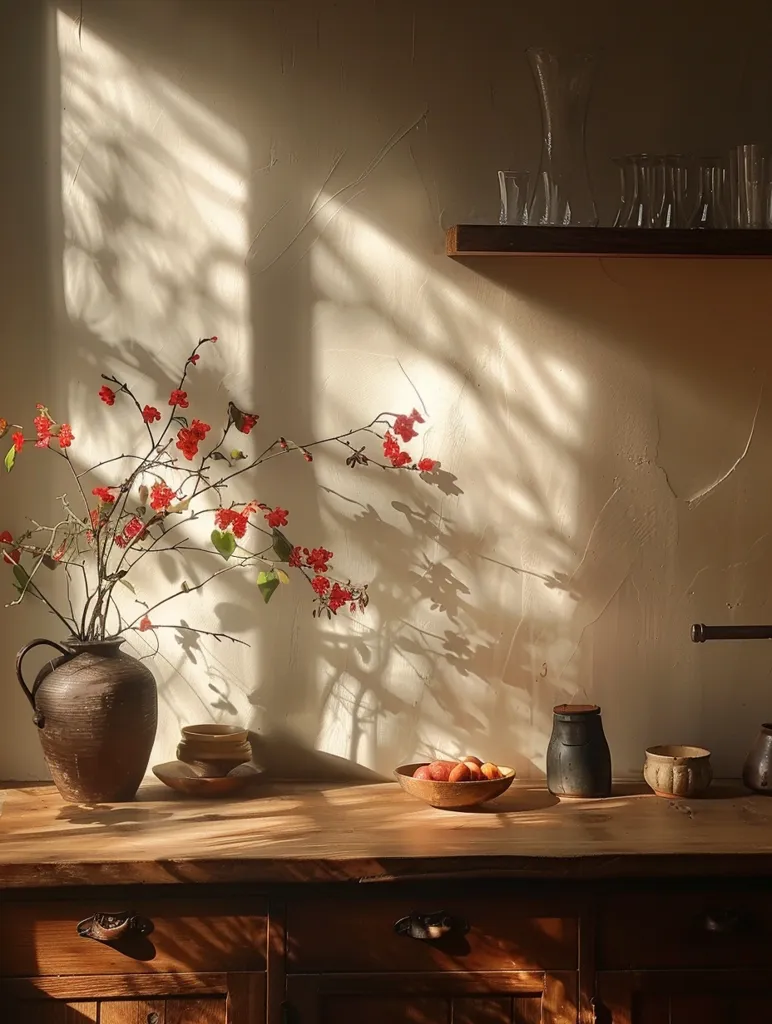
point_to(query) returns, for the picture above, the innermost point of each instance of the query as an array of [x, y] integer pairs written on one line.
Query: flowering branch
[[132, 516]]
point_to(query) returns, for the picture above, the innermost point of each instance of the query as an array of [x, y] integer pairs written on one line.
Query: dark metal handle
[[722, 922], [701, 633], [113, 927], [30, 693], [430, 927]]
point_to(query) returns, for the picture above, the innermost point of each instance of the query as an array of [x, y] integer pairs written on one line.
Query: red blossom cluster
[[189, 438], [104, 494], [393, 452], [107, 395], [150, 414], [134, 528], [225, 518], [161, 497], [179, 398], [247, 422], [275, 517], [404, 426]]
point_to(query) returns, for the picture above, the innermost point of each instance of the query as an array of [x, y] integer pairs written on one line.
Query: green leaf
[[282, 576], [127, 584], [10, 458], [22, 576], [267, 582], [237, 455], [281, 546], [224, 542], [218, 456]]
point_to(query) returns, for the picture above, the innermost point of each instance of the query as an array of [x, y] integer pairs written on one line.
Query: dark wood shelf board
[[508, 240]]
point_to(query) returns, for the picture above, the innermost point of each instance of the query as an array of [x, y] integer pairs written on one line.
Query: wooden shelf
[[506, 240]]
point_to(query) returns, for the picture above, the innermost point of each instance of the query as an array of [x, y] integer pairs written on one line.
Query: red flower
[[120, 541], [230, 517], [320, 584], [247, 422], [194, 358], [276, 517], [308, 456], [66, 436], [213, 338], [145, 624], [107, 395], [188, 438], [317, 559], [12, 557], [103, 493], [295, 557], [18, 441], [393, 452], [179, 398], [161, 497], [338, 597], [150, 414], [43, 424], [93, 514], [134, 528], [416, 416], [403, 425], [426, 465]]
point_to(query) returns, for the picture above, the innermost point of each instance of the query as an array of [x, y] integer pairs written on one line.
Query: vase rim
[[213, 732], [109, 641]]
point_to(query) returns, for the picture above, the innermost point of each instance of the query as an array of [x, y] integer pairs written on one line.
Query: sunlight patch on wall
[[154, 191], [478, 582]]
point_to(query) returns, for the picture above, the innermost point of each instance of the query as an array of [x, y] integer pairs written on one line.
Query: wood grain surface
[[329, 832]]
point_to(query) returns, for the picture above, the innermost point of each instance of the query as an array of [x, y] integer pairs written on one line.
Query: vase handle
[[30, 694]]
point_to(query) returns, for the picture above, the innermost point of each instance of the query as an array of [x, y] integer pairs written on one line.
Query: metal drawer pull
[[723, 922], [113, 927], [430, 927]]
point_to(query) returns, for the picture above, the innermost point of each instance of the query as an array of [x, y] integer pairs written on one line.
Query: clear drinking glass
[[513, 186], [626, 188], [675, 182], [710, 211], [562, 193], [645, 210], [747, 186]]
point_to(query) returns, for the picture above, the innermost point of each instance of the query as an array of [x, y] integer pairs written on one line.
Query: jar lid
[[576, 709]]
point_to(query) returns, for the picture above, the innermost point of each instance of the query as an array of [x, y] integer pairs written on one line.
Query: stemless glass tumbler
[[562, 193], [710, 211], [513, 187]]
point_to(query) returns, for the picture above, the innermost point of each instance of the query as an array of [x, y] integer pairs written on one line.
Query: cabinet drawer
[[39, 939], [356, 932], [709, 927]]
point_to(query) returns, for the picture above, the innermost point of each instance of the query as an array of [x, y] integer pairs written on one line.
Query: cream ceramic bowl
[[214, 750], [675, 770]]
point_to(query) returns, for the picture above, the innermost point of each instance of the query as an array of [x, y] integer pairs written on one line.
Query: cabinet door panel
[[681, 997], [450, 998]]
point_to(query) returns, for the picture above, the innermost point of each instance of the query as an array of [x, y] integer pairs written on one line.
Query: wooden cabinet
[[456, 952], [684, 997]]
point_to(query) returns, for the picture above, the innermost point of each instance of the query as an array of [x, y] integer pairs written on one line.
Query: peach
[[460, 773], [440, 770], [475, 774], [423, 773], [490, 771], [474, 760]]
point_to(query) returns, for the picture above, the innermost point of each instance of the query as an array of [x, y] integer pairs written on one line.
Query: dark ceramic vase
[[757, 770], [96, 709], [578, 757]]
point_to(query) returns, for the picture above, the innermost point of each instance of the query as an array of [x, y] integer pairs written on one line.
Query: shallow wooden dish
[[453, 796], [182, 777]]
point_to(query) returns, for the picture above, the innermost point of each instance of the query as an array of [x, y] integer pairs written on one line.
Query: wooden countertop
[[330, 832]]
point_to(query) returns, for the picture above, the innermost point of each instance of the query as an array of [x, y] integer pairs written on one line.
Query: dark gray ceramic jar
[[578, 757]]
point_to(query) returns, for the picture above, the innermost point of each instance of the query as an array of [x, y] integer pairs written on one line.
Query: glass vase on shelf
[[513, 187], [710, 211], [562, 193]]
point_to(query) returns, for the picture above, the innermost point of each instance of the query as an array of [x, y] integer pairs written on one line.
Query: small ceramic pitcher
[[677, 771], [214, 750], [757, 770]]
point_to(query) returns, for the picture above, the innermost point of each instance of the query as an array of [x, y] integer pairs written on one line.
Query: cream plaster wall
[[281, 174]]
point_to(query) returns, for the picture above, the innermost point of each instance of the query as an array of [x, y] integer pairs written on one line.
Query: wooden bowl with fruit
[[455, 785]]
